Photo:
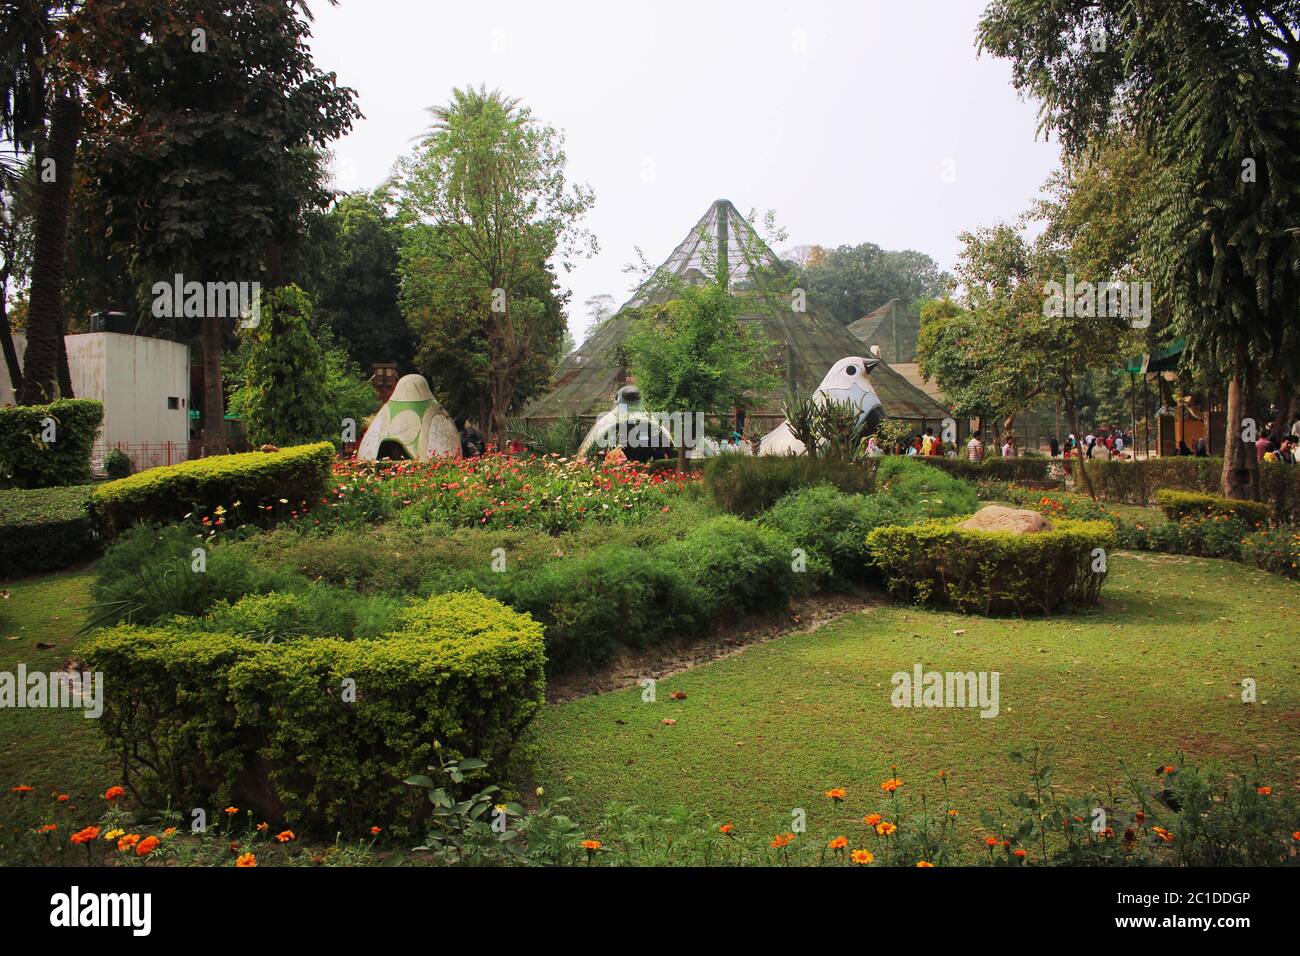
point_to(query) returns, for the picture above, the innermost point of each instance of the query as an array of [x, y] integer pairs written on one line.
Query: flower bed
[[550, 493]]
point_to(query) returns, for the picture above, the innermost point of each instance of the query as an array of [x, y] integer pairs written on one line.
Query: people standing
[[975, 447], [1054, 446]]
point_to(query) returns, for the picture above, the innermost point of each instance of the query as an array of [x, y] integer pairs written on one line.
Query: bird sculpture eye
[[852, 370]]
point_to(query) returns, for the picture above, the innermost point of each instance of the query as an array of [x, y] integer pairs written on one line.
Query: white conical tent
[[413, 420], [846, 383]]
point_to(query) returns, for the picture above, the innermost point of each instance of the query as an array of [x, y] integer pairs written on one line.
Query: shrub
[[1279, 485], [1273, 549], [592, 604], [1211, 536], [203, 718], [117, 464], [1136, 482], [991, 571], [237, 484], [1182, 504], [316, 611], [1002, 469], [739, 567], [44, 529], [746, 485], [28, 461], [831, 527], [149, 573], [917, 491]]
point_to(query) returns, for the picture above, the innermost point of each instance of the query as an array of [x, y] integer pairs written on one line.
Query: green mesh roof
[[893, 328], [807, 343]]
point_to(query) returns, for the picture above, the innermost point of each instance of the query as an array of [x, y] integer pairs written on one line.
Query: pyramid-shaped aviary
[[807, 343], [892, 327]]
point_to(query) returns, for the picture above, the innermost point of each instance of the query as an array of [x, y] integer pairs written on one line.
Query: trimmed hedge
[[1002, 469], [1136, 482], [237, 483], [45, 529], [746, 485], [989, 572], [207, 719], [28, 462], [1187, 504]]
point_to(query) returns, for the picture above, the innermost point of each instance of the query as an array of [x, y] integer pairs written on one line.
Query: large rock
[[1015, 520]]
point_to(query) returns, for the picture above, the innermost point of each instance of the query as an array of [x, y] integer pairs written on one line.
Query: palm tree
[[40, 112]]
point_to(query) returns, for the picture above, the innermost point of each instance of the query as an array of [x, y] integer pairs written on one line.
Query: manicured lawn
[[1155, 671], [49, 749]]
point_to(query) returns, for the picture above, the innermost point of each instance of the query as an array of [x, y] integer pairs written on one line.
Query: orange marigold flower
[[128, 841], [1295, 835], [1164, 834], [85, 835], [925, 864], [112, 793], [375, 831], [62, 798], [147, 846], [232, 810], [942, 774], [836, 793], [871, 819], [1139, 816], [1167, 769], [1019, 853], [48, 828], [862, 857], [885, 828], [990, 841], [839, 843], [952, 813], [284, 836], [170, 831], [890, 785], [782, 840], [263, 827], [726, 828], [591, 846], [248, 859], [1264, 791], [21, 788]]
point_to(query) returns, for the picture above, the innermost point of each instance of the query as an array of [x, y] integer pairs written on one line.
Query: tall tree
[[1214, 90], [855, 280], [41, 111], [490, 178], [211, 117]]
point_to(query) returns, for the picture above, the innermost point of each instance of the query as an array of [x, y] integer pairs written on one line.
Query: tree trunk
[[215, 438], [45, 308], [7, 338], [1080, 448], [1238, 455]]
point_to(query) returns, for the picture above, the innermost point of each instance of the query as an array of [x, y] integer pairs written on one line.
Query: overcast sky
[[867, 121]]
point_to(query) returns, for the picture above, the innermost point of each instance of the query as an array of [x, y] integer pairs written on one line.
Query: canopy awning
[[1161, 360]]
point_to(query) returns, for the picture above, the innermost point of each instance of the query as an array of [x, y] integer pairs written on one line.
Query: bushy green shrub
[[238, 484], [28, 461], [738, 567], [44, 529], [831, 527], [993, 571], [593, 604], [1211, 536], [1001, 469], [1184, 504], [150, 573], [746, 485], [117, 464], [317, 733], [1273, 549], [918, 491], [1279, 485], [316, 611]]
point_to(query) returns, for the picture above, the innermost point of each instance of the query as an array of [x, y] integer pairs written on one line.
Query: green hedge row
[[236, 483], [1136, 482], [27, 460], [989, 571], [45, 529], [318, 733], [1001, 469], [746, 485], [1185, 504]]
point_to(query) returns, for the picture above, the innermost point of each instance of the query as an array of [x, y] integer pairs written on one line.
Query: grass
[[53, 750], [1155, 671]]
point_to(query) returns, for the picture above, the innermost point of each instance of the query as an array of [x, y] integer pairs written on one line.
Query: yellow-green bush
[[1190, 504], [317, 733], [28, 461], [989, 572], [237, 483]]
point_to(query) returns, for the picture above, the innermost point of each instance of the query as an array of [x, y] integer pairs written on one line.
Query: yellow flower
[[885, 828], [114, 834], [862, 857], [925, 864]]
